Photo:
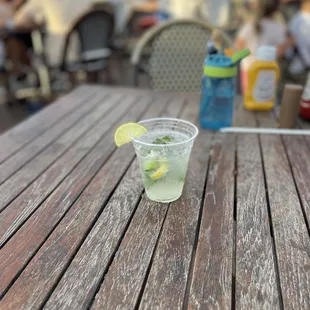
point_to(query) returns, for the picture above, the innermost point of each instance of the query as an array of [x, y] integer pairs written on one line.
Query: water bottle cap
[[219, 66], [266, 53]]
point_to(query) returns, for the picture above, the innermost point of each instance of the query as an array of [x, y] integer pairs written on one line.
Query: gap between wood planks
[[17, 164], [8, 234], [76, 198], [234, 256], [82, 101], [296, 186], [53, 161], [92, 224], [274, 250], [192, 262], [303, 125], [45, 300], [92, 300]]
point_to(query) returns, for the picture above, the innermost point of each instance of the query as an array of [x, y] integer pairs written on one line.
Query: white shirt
[[59, 16], [300, 28], [273, 34], [216, 12]]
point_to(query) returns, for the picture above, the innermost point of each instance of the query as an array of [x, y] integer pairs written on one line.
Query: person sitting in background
[[57, 16], [6, 12], [299, 27], [18, 44], [263, 30], [216, 12]]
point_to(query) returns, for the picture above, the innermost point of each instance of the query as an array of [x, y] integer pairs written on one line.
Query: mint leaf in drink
[[150, 165], [163, 140], [167, 139], [157, 141]]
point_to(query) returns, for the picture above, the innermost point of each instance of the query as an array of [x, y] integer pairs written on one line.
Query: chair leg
[[4, 77], [92, 77], [45, 82], [135, 71]]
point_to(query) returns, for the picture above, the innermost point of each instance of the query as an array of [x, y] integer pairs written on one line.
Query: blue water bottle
[[218, 89]]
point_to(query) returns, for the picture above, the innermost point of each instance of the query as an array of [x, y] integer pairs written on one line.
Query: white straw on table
[[267, 131]]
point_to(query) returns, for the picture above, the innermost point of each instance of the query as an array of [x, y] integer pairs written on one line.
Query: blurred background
[[49, 47]]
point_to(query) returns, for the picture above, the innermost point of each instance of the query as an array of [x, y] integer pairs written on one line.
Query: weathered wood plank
[[305, 125], [211, 286], [130, 267], [299, 154], [108, 229], [16, 161], [54, 257], [25, 176], [16, 138], [22, 207], [91, 151], [256, 283], [123, 283], [290, 231], [170, 269]]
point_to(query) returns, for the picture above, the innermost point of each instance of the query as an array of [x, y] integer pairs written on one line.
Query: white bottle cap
[[266, 53]]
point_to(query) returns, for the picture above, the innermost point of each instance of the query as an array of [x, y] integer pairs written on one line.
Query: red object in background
[[146, 22], [305, 109], [305, 101]]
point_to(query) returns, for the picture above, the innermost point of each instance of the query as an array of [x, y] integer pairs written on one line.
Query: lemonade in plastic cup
[[163, 153]]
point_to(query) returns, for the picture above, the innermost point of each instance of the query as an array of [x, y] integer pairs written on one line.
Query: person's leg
[[17, 54]]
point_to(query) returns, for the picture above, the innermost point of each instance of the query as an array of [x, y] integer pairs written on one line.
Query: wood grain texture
[[14, 215], [212, 277], [52, 259], [25, 176], [124, 282], [256, 283], [41, 224], [20, 135], [166, 284], [16, 161], [75, 290], [299, 154], [290, 231], [305, 125]]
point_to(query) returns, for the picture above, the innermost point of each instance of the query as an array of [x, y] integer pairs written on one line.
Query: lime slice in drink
[[160, 172], [126, 132]]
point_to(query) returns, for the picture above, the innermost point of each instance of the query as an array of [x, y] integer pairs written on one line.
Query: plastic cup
[[163, 166]]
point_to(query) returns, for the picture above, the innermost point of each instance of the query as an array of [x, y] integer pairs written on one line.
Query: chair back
[[94, 31], [176, 54]]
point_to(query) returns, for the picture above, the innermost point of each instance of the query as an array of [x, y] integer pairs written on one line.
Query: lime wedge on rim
[[126, 132]]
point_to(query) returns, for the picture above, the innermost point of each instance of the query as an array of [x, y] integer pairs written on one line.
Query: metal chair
[[172, 54], [94, 31], [42, 88]]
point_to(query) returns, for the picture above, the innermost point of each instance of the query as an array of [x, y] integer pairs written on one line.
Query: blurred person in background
[[263, 30], [18, 43], [215, 12], [12, 45], [56, 15], [299, 27], [6, 12]]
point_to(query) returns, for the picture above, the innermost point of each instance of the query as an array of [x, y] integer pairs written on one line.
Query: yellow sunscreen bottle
[[263, 76]]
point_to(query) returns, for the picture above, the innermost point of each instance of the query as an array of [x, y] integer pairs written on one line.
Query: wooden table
[[77, 232]]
